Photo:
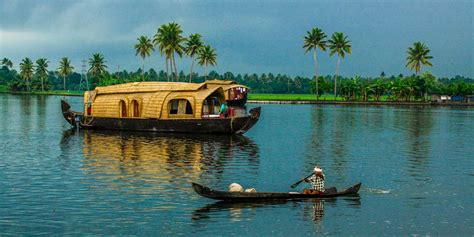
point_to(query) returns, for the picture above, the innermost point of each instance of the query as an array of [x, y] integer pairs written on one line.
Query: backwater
[[416, 165]]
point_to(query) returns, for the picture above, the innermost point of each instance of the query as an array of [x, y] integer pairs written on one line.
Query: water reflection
[[25, 113], [159, 158], [236, 211], [332, 131], [417, 127], [310, 209]]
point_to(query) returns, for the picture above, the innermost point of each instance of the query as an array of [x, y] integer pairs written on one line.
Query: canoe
[[246, 197]]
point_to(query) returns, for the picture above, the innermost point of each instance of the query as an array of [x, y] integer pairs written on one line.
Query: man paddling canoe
[[316, 181]]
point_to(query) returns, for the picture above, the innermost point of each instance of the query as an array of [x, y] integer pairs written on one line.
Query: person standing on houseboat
[[224, 109], [316, 181]]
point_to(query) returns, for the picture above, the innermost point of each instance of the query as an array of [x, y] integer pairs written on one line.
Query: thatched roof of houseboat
[[224, 84], [149, 86]]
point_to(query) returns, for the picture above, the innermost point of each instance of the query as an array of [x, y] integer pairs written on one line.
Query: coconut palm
[[160, 39], [340, 45], [7, 63], [207, 56], [175, 43], [65, 69], [418, 55], [42, 70], [97, 63], [144, 48], [313, 40], [170, 42], [193, 45], [26, 71]]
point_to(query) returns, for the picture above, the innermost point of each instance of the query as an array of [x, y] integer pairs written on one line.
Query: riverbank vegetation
[[171, 44]]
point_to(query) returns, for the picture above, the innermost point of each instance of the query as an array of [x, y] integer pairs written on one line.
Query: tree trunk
[[64, 82], [87, 81], [143, 70], [288, 86], [335, 78], [175, 69], [191, 73], [167, 71], [316, 73], [42, 84], [205, 71]]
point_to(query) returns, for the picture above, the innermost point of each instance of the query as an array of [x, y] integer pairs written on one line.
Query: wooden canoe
[[247, 197]]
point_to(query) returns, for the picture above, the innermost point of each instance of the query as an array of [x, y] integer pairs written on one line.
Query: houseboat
[[177, 107]]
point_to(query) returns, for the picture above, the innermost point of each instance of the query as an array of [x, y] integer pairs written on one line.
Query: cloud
[[249, 36]]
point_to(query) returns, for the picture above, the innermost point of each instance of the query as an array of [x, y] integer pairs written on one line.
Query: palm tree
[[7, 63], [144, 48], [175, 43], [418, 55], [341, 45], [159, 39], [193, 45], [207, 56], [170, 42], [65, 69], [313, 40], [42, 70], [26, 71], [97, 63]]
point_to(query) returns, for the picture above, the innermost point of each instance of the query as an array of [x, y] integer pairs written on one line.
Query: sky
[[255, 36]]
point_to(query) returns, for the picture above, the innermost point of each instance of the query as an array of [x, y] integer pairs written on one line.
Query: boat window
[[211, 106], [174, 106], [136, 108], [189, 109], [237, 93], [123, 109], [180, 106]]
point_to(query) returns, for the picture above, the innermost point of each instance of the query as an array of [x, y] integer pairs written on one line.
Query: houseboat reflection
[[172, 158]]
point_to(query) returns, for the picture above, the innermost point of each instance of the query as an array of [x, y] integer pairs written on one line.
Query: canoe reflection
[[312, 208], [236, 211], [175, 159]]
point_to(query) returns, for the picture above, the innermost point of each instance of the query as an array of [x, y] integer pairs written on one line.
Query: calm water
[[416, 165]]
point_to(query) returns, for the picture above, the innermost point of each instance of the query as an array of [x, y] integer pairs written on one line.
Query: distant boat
[[177, 107]]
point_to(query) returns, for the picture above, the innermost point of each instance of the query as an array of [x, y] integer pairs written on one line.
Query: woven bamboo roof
[[149, 86], [220, 82], [136, 87], [224, 84]]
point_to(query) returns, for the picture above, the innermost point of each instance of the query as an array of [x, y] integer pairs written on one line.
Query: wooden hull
[[234, 125], [259, 196]]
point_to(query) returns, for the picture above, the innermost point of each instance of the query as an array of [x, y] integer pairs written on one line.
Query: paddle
[[297, 183]]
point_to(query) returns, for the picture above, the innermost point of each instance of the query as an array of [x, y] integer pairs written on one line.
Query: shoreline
[[372, 103], [43, 93], [293, 102]]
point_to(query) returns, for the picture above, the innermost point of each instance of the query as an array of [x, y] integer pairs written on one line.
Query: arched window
[[136, 108], [180, 106], [123, 109]]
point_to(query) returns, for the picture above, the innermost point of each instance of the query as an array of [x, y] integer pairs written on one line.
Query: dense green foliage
[[394, 88]]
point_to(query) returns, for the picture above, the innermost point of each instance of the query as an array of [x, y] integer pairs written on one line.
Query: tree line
[[399, 87]]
